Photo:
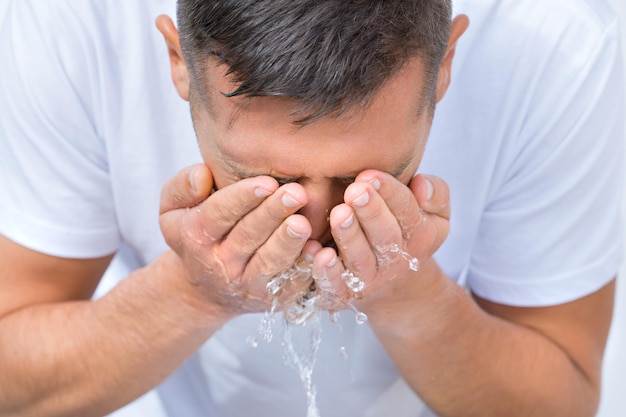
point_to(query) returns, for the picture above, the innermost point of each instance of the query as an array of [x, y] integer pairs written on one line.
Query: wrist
[[189, 297], [431, 299]]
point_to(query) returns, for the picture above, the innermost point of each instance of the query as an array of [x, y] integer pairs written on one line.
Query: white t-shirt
[[528, 137]]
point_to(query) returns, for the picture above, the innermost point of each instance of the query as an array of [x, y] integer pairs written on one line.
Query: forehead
[[258, 134]]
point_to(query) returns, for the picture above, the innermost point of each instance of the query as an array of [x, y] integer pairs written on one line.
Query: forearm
[[89, 358], [465, 362]]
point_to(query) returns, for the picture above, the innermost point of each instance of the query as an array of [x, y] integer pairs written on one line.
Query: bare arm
[[63, 355], [463, 355], [502, 360]]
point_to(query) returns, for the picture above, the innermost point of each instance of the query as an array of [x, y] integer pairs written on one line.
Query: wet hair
[[329, 55]]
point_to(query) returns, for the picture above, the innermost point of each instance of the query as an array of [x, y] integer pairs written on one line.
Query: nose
[[322, 196]]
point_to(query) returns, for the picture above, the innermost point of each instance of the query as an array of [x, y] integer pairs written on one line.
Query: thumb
[[187, 188], [432, 194]]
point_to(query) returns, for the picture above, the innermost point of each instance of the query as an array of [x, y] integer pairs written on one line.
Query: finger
[[220, 213], [327, 270], [311, 248], [432, 194], [292, 284], [398, 198], [187, 188], [258, 225], [354, 247], [280, 252], [379, 224]]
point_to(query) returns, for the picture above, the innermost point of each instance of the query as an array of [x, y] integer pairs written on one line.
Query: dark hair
[[329, 55]]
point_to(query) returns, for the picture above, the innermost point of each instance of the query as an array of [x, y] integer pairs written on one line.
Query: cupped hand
[[386, 234], [234, 240]]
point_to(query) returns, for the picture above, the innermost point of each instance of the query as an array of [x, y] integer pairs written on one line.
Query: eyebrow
[[243, 172]]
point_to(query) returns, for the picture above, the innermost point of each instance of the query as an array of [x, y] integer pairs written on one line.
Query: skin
[[56, 352]]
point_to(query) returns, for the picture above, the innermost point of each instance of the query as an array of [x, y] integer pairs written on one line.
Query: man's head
[[331, 56], [312, 92]]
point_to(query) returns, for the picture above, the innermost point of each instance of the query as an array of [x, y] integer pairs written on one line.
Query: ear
[[458, 27], [180, 73]]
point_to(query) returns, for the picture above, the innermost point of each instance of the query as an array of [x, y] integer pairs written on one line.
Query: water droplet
[[252, 342], [384, 260], [333, 316], [359, 316], [303, 267], [353, 282], [274, 286], [298, 313], [343, 354]]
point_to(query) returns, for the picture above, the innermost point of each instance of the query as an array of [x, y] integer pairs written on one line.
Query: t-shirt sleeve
[[551, 229], [54, 182]]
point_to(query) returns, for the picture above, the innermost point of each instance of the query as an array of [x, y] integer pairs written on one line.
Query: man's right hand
[[232, 241]]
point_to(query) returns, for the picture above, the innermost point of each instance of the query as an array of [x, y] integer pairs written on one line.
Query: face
[[242, 137]]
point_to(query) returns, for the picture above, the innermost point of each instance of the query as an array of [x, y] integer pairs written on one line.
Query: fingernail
[[289, 201], [346, 223], [429, 188], [332, 262], [361, 200], [261, 192], [295, 234], [192, 181], [375, 182]]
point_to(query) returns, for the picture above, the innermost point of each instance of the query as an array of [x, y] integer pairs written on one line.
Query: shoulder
[[535, 49], [593, 14], [86, 48], [85, 20], [535, 28]]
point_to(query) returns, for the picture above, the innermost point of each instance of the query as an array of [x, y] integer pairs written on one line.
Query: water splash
[[354, 283], [305, 308], [252, 342], [359, 316], [267, 323], [386, 255], [303, 315], [302, 358]]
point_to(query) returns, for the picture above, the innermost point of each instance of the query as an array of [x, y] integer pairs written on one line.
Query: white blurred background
[[613, 402]]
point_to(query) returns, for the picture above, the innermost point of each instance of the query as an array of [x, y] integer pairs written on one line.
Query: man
[[311, 119]]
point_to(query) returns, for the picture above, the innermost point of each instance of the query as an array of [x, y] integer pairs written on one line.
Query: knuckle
[[246, 241], [361, 266], [275, 214], [265, 263], [441, 188], [220, 214], [372, 214], [346, 239], [179, 197]]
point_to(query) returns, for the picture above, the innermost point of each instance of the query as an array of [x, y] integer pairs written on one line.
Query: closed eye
[[345, 180], [339, 180], [283, 181]]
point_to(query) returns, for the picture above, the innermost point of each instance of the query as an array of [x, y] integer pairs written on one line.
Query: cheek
[[222, 179]]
